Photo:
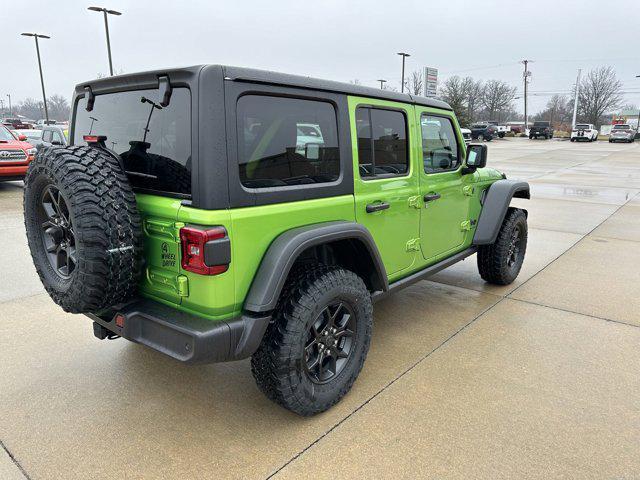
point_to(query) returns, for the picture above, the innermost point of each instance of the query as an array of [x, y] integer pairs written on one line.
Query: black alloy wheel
[[329, 342], [57, 232]]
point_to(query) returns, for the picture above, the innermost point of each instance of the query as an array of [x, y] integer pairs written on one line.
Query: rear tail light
[[194, 247]]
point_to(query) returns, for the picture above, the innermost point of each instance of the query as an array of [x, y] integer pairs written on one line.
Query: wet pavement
[[538, 379]]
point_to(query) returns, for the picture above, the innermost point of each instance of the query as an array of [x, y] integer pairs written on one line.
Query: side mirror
[[476, 158], [22, 138]]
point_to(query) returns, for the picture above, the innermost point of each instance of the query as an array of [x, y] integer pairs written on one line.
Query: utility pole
[[106, 28], [10, 111], [382, 82], [525, 77], [404, 56], [44, 95], [2, 106], [575, 100]]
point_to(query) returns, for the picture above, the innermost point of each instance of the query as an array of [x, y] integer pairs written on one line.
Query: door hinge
[[466, 225], [468, 190], [414, 201], [413, 245]]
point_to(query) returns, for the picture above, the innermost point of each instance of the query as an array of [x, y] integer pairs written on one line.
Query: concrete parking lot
[[539, 379]]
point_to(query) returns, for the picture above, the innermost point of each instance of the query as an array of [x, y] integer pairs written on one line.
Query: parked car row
[[15, 123]]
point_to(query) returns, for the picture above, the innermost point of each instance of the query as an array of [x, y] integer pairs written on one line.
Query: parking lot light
[[44, 95], [106, 12], [404, 56]]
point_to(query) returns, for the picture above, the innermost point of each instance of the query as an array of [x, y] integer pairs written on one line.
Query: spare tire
[[83, 227]]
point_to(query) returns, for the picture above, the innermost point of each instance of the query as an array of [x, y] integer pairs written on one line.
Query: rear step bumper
[[183, 336]]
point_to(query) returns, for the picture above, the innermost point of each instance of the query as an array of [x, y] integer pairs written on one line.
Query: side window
[[286, 141], [57, 137], [440, 150], [47, 136], [382, 142]]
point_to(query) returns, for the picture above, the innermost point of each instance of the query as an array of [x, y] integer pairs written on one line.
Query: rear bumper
[[183, 336]]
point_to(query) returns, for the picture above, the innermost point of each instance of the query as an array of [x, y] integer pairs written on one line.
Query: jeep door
[[385, 184], [444, 190]]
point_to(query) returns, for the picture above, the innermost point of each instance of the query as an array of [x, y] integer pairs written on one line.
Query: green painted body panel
[[441, 221], [410, 235], [393, 228], [254, 228]]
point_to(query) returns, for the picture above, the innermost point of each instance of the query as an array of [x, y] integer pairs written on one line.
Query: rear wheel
[[317, 342], [500, 262], [481, 137]]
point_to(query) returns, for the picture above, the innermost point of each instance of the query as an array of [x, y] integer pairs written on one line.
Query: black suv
[[483, 131], [541, 129]]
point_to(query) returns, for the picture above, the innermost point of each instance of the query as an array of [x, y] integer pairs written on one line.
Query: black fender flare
[[287, 247], [494, 208]]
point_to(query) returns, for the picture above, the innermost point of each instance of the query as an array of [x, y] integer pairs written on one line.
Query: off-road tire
[[277, 365], [493, 259], [105, 222]]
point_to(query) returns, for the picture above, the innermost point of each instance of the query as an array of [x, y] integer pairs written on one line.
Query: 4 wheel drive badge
[[165, 247]]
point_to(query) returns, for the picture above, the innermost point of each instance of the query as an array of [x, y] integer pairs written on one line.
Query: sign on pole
[[430, 81]]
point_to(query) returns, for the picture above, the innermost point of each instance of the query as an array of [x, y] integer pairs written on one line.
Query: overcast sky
[[333, 39]]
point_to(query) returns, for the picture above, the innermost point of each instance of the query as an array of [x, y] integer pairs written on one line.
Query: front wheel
[[481, 138], [500, 262], [315, 346]]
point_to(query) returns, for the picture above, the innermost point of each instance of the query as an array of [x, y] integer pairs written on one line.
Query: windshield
[[154, 142], [5, 135]]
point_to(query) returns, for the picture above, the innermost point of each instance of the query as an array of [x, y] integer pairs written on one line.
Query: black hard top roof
[[259, 76]]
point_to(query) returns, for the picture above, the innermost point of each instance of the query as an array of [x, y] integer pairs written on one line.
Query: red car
[[15, 155]]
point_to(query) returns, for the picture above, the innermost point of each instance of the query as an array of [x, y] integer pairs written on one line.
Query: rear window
[[541, 124], [583, 127], [622, 127], [154, 142]]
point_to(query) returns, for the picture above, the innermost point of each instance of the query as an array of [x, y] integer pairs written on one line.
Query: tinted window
[[154, 143], [439, 144], [382, 142], [286, 141]]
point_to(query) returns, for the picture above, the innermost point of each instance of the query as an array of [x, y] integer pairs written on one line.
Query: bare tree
[[58, 107], [453, 92], [414, 84], [600, 92], [30, 108], [473, 90], [559, 111], [497, 97]]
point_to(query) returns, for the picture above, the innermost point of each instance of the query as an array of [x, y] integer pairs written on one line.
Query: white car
[[466, 134], [584, 131]]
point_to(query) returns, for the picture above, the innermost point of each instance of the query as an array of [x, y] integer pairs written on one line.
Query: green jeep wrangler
[[217, 213]]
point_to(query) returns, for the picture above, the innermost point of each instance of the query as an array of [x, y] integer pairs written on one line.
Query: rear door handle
[[430, 197], [377, 207]]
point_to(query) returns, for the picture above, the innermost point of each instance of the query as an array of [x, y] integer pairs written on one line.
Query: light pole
[[404, 56], [638, 126], [382, 82], [106, 27], [525, 78], [575, 100], [10, 111], [44, 95]]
